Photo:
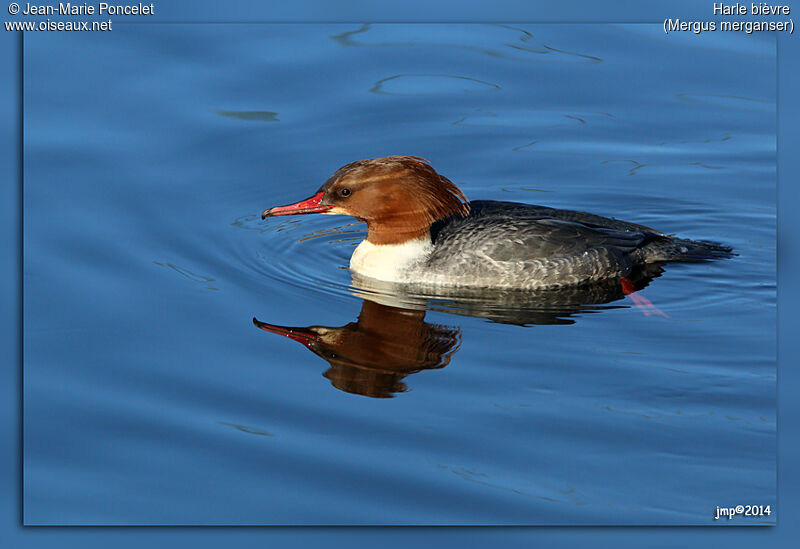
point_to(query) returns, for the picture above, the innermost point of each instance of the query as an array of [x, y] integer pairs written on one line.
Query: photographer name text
[[68, 8]]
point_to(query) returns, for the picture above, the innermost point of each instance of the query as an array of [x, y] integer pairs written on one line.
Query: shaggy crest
[[441, 197]]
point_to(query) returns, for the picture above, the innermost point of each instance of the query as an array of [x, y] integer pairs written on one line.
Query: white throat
[[389, 261]]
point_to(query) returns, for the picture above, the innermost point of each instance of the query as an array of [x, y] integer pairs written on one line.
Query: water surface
[[152, 398]]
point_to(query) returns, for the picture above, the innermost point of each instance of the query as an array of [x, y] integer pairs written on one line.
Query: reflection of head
[[371, 356]]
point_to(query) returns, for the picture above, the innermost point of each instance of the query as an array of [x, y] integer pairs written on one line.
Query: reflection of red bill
[[301, 335]]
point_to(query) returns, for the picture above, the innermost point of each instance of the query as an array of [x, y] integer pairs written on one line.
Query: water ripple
[[251, 116], [526, 118], [186, 273], [423, 84], [503, 41], [293, 258], [727, 101]]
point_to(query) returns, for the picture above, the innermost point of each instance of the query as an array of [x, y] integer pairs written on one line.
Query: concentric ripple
[[307, 253]]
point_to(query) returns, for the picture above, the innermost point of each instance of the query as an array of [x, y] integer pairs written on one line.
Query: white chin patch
[[336, 210]]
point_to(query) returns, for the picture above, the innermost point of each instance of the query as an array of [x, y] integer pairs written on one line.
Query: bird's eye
[[345, 192]]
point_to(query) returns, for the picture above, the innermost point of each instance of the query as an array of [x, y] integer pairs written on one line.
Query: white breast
[[389, 262]]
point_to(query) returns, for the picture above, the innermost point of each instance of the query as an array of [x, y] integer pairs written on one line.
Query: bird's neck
[[390, 261]]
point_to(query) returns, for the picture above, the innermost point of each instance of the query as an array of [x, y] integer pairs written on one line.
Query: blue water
[[151, 398]]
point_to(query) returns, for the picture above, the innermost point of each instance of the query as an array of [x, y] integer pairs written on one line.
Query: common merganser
[[422, 230]]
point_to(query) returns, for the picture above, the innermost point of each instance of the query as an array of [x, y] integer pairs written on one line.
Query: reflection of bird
[[371, 356], [391, 339], [422, 230]]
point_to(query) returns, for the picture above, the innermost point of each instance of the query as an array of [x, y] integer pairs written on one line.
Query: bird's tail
[[685, 250]]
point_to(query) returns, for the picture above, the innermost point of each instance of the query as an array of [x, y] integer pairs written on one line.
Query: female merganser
[[422, 230]]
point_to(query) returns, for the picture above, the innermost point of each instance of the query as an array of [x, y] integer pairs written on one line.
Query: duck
[[423, 231]]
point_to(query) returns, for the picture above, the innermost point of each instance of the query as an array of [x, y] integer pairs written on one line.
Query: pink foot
[[644, 304]]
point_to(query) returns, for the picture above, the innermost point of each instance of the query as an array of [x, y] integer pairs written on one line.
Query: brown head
[[398, 197]]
